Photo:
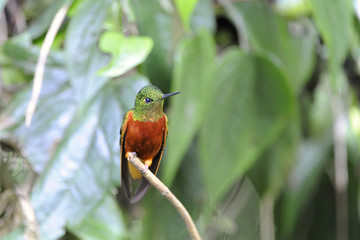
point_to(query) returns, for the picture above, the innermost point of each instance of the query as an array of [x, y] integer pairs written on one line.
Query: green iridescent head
[[149, 103]]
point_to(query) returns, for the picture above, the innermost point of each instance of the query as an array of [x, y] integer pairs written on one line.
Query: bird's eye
[[148, 100]]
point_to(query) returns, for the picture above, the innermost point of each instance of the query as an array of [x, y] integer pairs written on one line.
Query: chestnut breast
[[144, 138]]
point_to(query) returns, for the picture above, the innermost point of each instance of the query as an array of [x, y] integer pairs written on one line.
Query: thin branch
[[31, 231], [166, 193], [40, 66], [340, 167], [267, 228]]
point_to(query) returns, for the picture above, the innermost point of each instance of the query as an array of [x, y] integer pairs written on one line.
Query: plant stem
[[267, 229], [340, 167]]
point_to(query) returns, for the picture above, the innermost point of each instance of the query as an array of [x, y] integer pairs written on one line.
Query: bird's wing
[[125, 182]]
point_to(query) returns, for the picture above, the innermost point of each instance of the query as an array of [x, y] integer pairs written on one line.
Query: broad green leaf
[[270, 173], [17, 234], [169, 224], [20, 53], [185, 9], [73, 161], [354, 119], [157, 20], [33, 9], [251, 108], [41, 24], [293, 42], [83, 58], [320, 112], [104, 222], [127, 52], [12, 76], [304, 179], [38, 142], [188, 188], [193, 76], [203, 17], [238, 217], [334, 21], [292, 8], [85, 165], [2, 4], [82, 164]]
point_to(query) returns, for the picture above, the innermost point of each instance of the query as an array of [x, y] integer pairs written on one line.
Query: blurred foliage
[[266, 88]]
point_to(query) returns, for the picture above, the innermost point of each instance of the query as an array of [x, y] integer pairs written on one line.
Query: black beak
[[169, 94]]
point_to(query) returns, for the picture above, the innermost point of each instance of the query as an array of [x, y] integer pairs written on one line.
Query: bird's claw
[[132, 155], [146, 167]]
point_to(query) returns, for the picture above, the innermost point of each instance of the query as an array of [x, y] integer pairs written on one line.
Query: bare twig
[[267, 229], [31, 231], [166, 193], [340, 167], [40, 66]]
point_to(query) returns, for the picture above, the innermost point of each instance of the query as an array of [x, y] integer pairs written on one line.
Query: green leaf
[[17, 234], [41, 24], [270, 173], [83, 58], [292, 42], [38, 142], [304, 179], [185, 9], [2, 4], [193, 76], [104, 222], [156, 20], [203, 17], [334, 21], [238, 217], [127, 52], [320, 111], [252, 107], [169, 224], [77, 146], [85, 165], [20, 53], [12, 76], [292, 8]]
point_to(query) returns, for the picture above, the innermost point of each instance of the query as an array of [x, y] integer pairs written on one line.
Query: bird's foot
[[132, 155], [146, 167]]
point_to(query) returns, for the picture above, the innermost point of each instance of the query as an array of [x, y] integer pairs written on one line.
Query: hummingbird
[[143, 132]]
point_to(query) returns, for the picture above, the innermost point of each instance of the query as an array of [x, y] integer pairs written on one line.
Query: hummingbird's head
[[149, 103]]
